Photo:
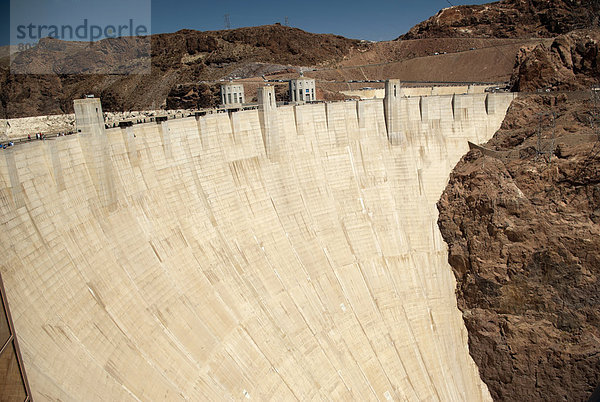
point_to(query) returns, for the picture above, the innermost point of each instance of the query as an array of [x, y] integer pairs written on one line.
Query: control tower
[[302, 89], [232, 94]]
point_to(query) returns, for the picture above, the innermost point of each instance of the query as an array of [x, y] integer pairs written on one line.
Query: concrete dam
[[284, 253]]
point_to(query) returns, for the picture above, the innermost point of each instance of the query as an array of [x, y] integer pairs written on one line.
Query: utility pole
[[227, 22]]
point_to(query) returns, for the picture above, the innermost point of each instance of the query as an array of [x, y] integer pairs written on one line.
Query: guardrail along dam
[[281, 253]]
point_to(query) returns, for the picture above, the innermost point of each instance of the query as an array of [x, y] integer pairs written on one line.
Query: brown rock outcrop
[[524, 242], [193, 96], [571, 62], [509, 19]]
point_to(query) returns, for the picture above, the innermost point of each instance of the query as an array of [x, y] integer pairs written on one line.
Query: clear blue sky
[[372, 20]]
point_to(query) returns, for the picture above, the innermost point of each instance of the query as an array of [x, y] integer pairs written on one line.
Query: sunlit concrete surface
[[282, 253], [376, 93]]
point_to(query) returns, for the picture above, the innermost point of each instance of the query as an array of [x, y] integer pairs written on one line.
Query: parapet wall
[[379, 93], [289, 253]]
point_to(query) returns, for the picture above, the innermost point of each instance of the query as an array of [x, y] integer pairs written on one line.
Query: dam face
[[282, 253]]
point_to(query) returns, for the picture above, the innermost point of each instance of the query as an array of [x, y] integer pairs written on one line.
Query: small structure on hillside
[[302, 89], [232, 94]]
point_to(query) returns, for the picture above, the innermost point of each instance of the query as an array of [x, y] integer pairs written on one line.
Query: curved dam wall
[[282, 253]]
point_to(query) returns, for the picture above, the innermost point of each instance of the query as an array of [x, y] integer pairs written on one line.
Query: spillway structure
[[283, 253]]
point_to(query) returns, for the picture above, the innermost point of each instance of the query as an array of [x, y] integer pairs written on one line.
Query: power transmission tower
[[287, 21], [227, 22]]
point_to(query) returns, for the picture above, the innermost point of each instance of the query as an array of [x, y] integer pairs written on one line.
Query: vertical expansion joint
[[89, 120], [266, 98], [88, 113], [391, 109], [267, 106], [13, 175], [453, 104], [393, 89], [491, 102]]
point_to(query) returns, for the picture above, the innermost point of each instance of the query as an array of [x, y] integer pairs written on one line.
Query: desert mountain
[[571, 62], [183, 69], [183, 56], [509, 19]]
